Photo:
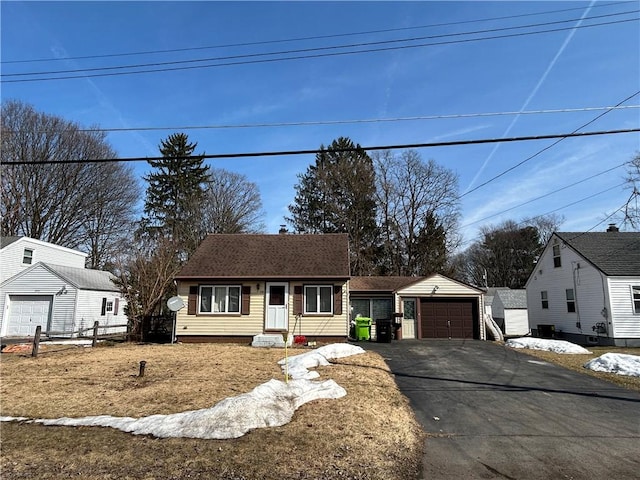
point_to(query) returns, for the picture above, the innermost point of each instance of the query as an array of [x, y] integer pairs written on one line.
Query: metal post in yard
[[36, 341], [95, 333]]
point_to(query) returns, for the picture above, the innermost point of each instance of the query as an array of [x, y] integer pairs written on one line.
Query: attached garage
[[424, 307], [449, 318], [26, 312]]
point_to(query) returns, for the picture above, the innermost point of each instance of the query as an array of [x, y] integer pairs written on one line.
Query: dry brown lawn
[[576, 362], [369, 434]]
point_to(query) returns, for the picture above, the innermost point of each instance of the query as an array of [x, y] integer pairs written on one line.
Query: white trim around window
[[635, 296], [318, 299], [219, 299]]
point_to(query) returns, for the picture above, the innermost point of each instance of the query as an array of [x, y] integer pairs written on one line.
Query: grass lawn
[[576, 362], [369, 434]]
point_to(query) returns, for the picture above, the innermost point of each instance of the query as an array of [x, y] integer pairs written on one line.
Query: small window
[[27, 257], [557, 262], [220, 299], [571, 300], [544, 297], [109, 306], [636, 299], [318, 299]]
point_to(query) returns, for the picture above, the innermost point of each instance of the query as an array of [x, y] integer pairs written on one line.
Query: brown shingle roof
[[269, 256], [380, 284]]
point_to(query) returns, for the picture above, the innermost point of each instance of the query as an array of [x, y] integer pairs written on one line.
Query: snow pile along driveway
[[620, 363], [557, 346], [271, 404]]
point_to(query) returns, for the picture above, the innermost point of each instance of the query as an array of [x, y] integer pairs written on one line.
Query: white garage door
[[26, 313]]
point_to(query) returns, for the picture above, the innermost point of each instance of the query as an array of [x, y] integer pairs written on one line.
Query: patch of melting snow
[[557, 346], [271, 404], [620, 363]]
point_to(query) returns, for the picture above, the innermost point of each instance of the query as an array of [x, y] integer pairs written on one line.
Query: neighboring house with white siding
[[19, 253], [585, 288], [55, 292]]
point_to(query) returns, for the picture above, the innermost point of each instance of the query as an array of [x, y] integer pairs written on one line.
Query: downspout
[[575, 295]]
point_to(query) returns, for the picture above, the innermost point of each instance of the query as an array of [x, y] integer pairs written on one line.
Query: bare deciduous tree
[[232, 204], [419, 207], [89, 206]]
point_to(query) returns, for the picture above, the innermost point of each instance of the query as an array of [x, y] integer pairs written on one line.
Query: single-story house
[[434, 306], [509, 310], [254, 287], [61, 300], [585, 288]]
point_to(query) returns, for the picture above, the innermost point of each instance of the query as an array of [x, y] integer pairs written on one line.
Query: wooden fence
[[94, 336]]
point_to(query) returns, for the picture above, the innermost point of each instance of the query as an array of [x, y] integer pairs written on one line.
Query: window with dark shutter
[[193, 300], [115, 307], [104, 307]]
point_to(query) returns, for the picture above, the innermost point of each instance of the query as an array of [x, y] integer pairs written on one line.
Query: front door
[[277, 307]]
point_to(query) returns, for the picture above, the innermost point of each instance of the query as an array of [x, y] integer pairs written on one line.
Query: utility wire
[[343, 122], [545, 195], [318, 37], [317, 151], [302, 57], [545, 148], [304, 50]]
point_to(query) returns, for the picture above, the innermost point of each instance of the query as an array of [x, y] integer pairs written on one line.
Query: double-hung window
[[220, 299], [557, 261], [571, 300], [318, 299], [27, 256], [544, 297], [636, 298]]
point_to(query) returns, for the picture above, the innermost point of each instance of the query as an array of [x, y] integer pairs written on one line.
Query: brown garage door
[[447, 319]]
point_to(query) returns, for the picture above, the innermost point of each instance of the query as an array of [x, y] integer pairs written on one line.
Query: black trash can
[[383, 330]]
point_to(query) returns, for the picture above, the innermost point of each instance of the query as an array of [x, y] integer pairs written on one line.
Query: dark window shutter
[[115, 306], [246, 300], [193, 300], [104, 306], [297, 300], [337, 300]]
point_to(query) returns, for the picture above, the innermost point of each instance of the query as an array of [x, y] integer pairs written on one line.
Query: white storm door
[[277, 306]]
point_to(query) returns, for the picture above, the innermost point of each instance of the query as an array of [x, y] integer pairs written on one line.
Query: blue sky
[[570, 69]]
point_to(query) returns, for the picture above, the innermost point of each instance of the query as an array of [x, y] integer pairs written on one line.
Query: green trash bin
[[363, 328]]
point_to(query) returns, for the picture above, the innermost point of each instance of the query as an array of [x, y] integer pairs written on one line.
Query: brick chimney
[[613, 228]]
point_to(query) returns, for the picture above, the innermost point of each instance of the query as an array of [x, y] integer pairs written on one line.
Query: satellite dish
[[175, 304]]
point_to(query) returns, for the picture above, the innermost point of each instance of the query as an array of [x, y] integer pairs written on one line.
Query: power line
[[318, 37], [302, 57], [305, 50], [316, 151], [545, 195], [545, 148], [344, 122]]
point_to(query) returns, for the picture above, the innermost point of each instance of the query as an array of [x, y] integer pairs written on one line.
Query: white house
[[55, 291], [585, 288], [19, 253]]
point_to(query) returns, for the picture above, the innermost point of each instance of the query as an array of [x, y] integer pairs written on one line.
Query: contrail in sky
[[532, 94]]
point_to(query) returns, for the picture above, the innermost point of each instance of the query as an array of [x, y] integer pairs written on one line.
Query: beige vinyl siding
[[234, 324], [446, 287]]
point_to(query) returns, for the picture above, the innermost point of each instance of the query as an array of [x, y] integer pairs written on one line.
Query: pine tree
[[337, 195], [175, 193]]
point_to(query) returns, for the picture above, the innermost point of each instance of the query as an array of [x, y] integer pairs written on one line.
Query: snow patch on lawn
[[557, 346], [620, 363], [271, 404]]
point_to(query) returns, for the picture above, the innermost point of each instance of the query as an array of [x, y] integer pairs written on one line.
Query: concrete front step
[[271, 340]]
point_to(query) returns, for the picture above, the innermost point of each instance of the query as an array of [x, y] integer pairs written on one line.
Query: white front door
[[277, 306]]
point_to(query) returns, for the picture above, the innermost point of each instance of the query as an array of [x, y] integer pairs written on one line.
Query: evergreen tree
[[337, 195], [175, 193]]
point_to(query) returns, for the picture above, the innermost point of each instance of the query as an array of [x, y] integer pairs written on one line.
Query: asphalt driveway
[[493, 412]]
